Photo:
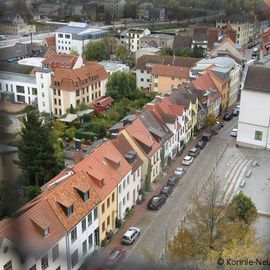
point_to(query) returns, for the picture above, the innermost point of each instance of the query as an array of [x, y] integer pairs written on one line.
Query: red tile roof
[[140, 134], [171, 71], [74, 79], [103, 101], [50, 41], [168, 107]]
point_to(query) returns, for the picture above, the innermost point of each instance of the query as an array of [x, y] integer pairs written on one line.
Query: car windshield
[[155, 200]]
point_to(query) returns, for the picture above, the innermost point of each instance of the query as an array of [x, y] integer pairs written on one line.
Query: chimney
[[77, 156], [77, 144]]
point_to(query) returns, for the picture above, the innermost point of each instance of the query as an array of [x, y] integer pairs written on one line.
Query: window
[[43, 95], [124, 201], [33, 267], [60, 111], [258, 135], [21, 98], [34, 91], [142, 79], [55, 111], [74, 258], [44, 262], [19, 89], [84, 247], [42, 85], [119, 188], [59, 102], [77, 93], [55, 101], [89, 219], [103, 208], [8, 266], [103, 226], [58, 92], [124, 184], [41, 76], [95, 213], [55, 252], [73, 235], [142, 71], [68, 210], [113, 197], [128, 196], [108, 221], [60, 35], [108, 202], [46, 232], [128, 180], [83, 225], [90, 241]]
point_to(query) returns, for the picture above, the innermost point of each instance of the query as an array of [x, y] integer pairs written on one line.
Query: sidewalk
[[140, 209]]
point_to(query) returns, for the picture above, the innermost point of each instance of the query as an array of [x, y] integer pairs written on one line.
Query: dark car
[[201, 144], [173, 180], [228, 116], [156, 202], [166, 190], [115, 256], [194, 152], [206, 136]]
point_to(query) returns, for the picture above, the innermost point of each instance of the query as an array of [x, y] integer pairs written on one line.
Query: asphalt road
[[157, 228]]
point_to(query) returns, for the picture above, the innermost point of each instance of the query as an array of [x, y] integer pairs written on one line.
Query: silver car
[[130, 235]]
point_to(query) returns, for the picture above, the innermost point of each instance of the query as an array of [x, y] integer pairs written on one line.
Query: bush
[[118, 222], [113, 115], [87, 135]]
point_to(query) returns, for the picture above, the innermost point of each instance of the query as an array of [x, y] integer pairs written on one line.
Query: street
[[158, 227]]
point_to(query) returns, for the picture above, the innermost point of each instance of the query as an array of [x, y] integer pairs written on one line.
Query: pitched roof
[[27, 230], [258, 79], [183, 96], [168, 107], [103, 101], [204, 82], [67, 194], [142, 137], [180, 42], [50, 41], [171, 71], [200, 33], [74, 79], [147, 61], [124, 147]]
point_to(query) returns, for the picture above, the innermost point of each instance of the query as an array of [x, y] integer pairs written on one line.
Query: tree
[[244, 208], [70, 133], [37, 158], [74, 52], [97, 51], [186, 52], [197, 52], [32, 192], [148, 177], [59, 128], [122, 53], [210, 120], [122, 84]]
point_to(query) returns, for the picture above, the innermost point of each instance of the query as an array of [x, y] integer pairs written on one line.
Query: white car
[[234, 132], [130, 235], [187, 160], [180, 171]]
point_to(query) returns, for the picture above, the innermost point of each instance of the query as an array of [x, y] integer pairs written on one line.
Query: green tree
[[197, 52], [122, 84], [122, 54], [244, 208], [74, 52], [186, 52], [97, 51], [37, 158], [210, 120], [148, 186], [70, 133], [32, 192]]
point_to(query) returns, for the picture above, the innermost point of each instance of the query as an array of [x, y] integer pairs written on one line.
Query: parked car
[[130, 235], [234, 132], [173, 180], [201, 144], [115, 256], [235, 112], [180, 171], [156, 202], [166, 190], [206, 136], [227, 116], [187, 160], [194, 152]]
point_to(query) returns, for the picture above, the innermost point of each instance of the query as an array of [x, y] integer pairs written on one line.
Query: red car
[[115, 256]]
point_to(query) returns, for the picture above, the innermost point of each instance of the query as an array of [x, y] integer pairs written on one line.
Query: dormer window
[[69, 211], [84, 195], [57, 83], [46, 232]]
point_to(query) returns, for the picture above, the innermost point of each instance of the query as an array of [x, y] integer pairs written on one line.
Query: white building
[[15, 87], [254, 119], [75, 36], [114, 66], [131, 37]]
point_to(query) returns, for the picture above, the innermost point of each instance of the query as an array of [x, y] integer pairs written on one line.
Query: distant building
[[246, 27], [13, 24], [163, 41], [199, 37], [75, 36], [49, 42], [115, 8], [131, 37], [146, 51], [254, 118], [154, 13], [114, 66]]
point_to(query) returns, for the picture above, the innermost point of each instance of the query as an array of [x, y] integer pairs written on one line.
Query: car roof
[[113, 254], [234, 129], [130, 231], [193, 149], [187, 157]]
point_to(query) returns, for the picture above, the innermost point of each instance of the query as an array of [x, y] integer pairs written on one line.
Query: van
[[206, 136]]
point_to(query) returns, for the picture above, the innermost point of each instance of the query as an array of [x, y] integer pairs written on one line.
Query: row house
[[165, 78], [146, 63], [173, 116], [75, 86], [53, 231], [164, 41], [208, 94], [145, 145], [225, 73], [184, 96]]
